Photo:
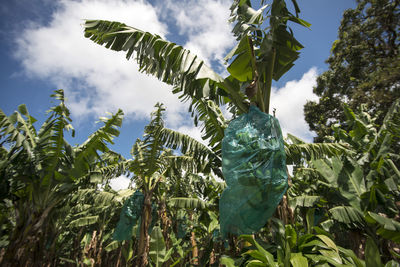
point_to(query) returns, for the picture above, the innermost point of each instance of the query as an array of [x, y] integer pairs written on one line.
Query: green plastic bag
[[130, 215], [254, 167]]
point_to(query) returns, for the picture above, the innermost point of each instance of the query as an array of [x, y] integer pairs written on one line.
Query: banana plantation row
[[58, 209], [341, 206]]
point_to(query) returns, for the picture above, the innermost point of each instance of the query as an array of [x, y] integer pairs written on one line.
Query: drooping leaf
[[349, 253], [298, 150], [188, 203], [113, 245], [81, 222], [329, 169], [328, 242], [304, 201], [347, 215], [388, 228], [169, 62]]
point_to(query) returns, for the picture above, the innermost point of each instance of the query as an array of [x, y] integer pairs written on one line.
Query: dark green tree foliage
[[364, 66]]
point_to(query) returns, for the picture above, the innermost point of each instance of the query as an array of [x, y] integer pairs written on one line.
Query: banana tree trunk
[[100, 249], [195, 250], [143, 246], [27, 243], [284, 212]]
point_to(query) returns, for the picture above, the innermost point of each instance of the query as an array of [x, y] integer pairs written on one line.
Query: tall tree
[[364, 66]]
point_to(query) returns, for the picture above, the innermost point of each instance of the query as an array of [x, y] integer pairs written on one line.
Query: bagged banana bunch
[[129, 217], [254, 167]]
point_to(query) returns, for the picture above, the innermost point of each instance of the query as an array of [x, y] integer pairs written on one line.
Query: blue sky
[[43, 49]]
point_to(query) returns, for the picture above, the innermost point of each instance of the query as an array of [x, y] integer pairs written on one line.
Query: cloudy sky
[[43, 49]]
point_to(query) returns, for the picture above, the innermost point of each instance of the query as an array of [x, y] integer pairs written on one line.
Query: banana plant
[[86, 225], [40, 169], [358, 190], [187, 193], [264, 52], [288, 246], [200, 206], [158, 253], [153, 165]]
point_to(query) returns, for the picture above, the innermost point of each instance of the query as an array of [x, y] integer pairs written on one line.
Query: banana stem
[[268, 83]]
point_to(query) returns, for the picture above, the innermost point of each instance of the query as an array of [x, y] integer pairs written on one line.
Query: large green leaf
[[188, 203], [242, 67], [157, 247], [228, 262], [298, 150], [372, 254], [262, 254], [297, 259], [388, 228], [332, 257], [329, 169], [96, 143], [351, 182], [328, 242], [304, 201], [169, 62], [345, 175], [85, 221], [347, 215]]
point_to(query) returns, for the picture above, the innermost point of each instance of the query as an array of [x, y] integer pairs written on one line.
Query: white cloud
[[192, 131], [119, 183], [95, 79], [289, 101], [205, 24]]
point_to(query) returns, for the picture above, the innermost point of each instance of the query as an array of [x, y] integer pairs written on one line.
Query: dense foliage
[[364, 66]]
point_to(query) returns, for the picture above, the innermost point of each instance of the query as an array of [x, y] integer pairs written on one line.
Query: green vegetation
[[341, 208], [363, 66]]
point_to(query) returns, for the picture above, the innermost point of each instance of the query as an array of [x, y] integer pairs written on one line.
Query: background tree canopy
[[364, 66]]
